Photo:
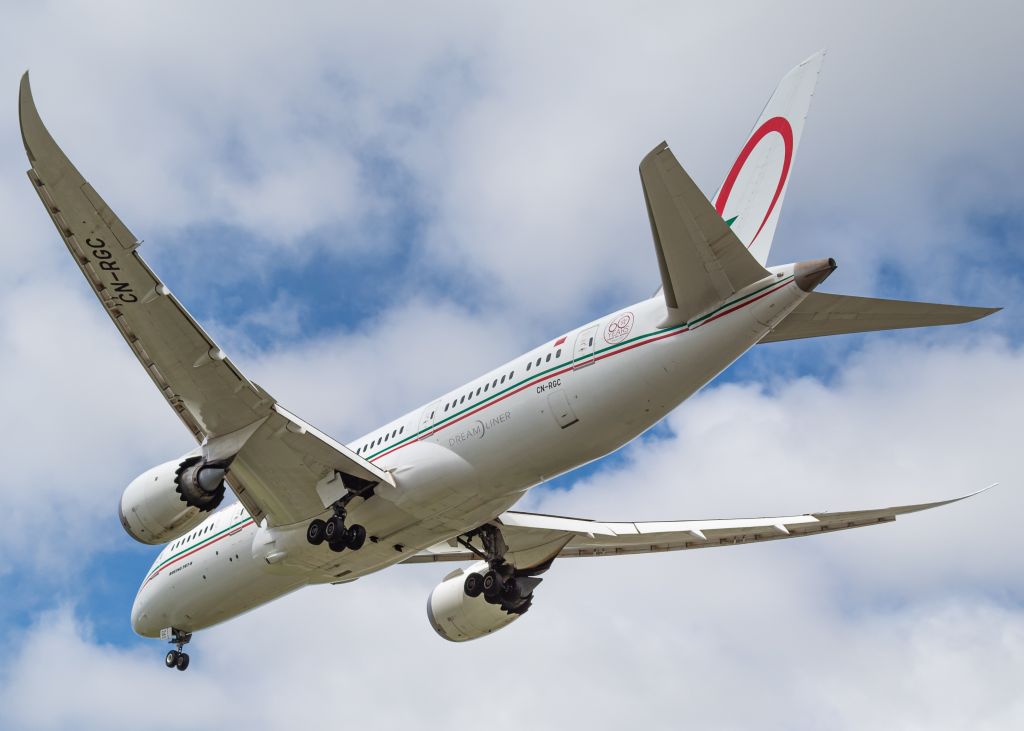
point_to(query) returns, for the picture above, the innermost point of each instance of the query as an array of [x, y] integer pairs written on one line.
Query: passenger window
[[528, 365], [461, 400], [558, 353], [394, 433], [591, 342], [446, 407], [486, 386], [538, 361], [478, 392], [495, 384], [503, 379], [548, 358], [510, 375], [402, 429]]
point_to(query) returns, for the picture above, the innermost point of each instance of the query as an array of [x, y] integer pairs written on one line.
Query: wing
[[281, 466], [701, 260], [839, 314], [534, 539]]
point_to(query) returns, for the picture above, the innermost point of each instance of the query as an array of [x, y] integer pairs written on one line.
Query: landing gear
[[176, 658], [333, 531], [502, 584], [339, 537]]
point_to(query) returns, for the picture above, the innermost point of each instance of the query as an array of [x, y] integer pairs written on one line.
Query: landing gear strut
[[502, 584], [176, 658], [333, 530]]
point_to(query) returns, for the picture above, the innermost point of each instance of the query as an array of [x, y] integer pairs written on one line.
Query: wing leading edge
[[534, 539], [280, 466]]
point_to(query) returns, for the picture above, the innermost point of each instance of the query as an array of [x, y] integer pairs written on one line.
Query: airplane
[[438, 483]]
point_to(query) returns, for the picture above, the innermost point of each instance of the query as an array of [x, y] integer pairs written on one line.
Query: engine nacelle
[[170, 499], [458, 617]]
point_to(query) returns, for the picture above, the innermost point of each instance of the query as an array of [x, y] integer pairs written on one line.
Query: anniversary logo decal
[[619, 327]]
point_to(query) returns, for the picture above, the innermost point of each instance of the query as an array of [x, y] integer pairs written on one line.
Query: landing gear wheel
[[334, 530], [474, 585], [355, 537], [182, 663], [492, 585], [336, 546], [315, 532], [172, 659]]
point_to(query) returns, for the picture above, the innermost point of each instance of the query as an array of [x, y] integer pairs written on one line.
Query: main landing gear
[[502, 584], [176, 658], [333, 530]]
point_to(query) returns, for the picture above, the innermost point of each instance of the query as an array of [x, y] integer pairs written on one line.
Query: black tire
[[491, 585], [356, 537], [334, 530], [172, 659], [336, 546], [474, 585], [315, 532], [182, 663]]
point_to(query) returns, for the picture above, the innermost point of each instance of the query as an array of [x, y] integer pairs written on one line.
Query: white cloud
[[514, 133], [917, 623]]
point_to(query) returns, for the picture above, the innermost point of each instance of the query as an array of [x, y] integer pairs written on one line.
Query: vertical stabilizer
[[751, 196]]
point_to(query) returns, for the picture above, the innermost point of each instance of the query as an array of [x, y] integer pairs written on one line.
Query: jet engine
[[457, 616], [171, 499]]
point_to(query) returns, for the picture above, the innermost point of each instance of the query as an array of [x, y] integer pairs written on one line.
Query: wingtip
[[26, 107], [968, 495], [816, 56], [24, 90]]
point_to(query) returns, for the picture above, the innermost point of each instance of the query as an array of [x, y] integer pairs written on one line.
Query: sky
[[366, 206]]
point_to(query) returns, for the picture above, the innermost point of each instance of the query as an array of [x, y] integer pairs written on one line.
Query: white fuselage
[[461, 460]]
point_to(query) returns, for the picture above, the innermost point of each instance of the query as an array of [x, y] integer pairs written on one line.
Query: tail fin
[[751, 196]]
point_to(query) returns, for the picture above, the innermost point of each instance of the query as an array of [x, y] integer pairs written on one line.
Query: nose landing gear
[[176, 658]]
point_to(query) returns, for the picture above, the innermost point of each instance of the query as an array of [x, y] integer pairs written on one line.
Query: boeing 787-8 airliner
[[438, 483]]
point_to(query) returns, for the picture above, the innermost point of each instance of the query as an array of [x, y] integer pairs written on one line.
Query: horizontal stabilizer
[[837, 314]]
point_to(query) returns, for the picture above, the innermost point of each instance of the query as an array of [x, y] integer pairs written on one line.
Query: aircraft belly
[[213, 585]]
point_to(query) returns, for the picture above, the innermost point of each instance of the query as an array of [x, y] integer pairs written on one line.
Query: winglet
[[47, 159], [26, 103]]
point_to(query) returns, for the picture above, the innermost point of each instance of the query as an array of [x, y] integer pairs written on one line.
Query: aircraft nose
[[143, 623]]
